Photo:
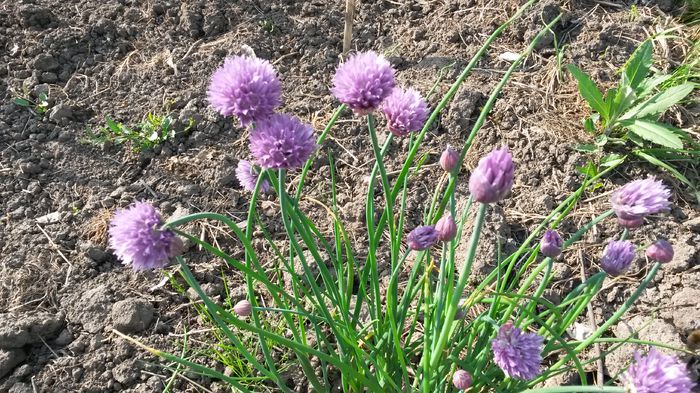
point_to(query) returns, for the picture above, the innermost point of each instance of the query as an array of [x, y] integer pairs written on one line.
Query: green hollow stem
[[451, 309], [339, 111], [577, 389], [609, 322]]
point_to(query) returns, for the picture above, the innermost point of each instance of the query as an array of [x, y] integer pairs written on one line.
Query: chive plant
[[426, 329]]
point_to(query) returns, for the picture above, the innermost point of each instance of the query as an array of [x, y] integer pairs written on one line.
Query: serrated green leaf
[[638, 65], [612, 159], [660, 134], [22, 102], [589, 91], [649, 84], [660, 102], [601, 140]]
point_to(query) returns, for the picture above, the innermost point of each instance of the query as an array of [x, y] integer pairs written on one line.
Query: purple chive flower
[[461, 379], [246, 87], [137, 240], [661, 251], [550, 245], [617, 257], [422, 238], [518, 354], [363, 82], [446, 228], [492, 179], [657, 373], [243, 308], [405, 110], [247, 176], [448, 159], [282, 142], [639, 198]]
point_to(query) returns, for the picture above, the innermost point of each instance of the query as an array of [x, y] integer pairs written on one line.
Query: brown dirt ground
[[62, 291]]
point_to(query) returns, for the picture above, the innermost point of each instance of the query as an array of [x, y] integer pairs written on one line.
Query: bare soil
[[62, 291]]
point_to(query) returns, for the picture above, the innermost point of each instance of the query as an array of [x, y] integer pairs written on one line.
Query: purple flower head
[[446, 228], [518, 354], [661, 251], [363, 82], [422, 238], [639, 198], [492, 179], [136, 237], [550, 245], [448, 159], [246, 87], [405, 110], [247, 176], [657, 373], [243, 308], [461, 379], [617, 257], [282, 142]]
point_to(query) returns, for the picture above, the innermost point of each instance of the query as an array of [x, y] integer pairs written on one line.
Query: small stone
[[9, 359], [30, 168], [46, 62], [97, 254], [50, 218], [132, 315], [60, 113], [64, 338], [20, 387]]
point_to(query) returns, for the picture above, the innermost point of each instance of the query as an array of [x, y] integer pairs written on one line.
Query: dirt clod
[[131, 315]]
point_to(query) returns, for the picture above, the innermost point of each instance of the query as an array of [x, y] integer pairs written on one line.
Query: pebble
[[60, 113], [132, 315]]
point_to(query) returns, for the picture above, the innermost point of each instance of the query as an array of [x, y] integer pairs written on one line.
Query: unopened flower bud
[[243, 308], [446, 228], [660, 251], [422, 238], [448, 159], [461, 380], [492, 179], [551, 243]]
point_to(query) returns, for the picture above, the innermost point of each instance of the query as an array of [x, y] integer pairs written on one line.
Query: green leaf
[[113, 125], [589, 125], [601, 140], [637, 67], [612, 159], [649, 84], [589, 91], [667, 166], [586, 148], [660, 134], [22, 102], [660, 102]]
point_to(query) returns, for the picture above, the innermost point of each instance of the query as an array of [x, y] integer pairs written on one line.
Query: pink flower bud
[[446, 228], [550, 245], [461, 380], [449, 159], [243, 308], [492, 179], [661, 251]]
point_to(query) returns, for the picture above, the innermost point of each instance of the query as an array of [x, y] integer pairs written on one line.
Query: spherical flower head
[[246, 87], [446, 228], [550, 245], [247, 176], [657, 373], [617, 257], [518, 354], [639, 198], [461, 379], [405, 110], [137, 240], [422, 237], [492, 179], [448, 159], [282, 142], [243, 308], [363, 82], [661, 251]]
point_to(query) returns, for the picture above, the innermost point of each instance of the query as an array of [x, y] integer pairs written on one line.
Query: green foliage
[[628, 114], [39, 106], [153, 130]]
